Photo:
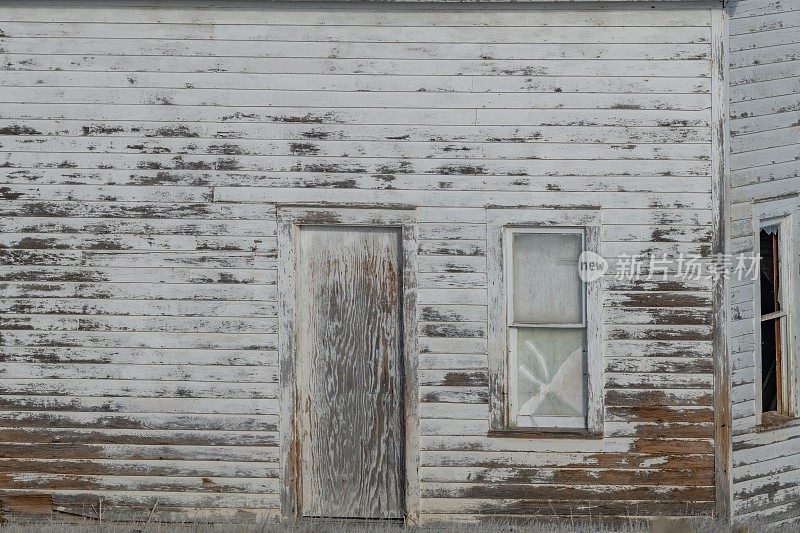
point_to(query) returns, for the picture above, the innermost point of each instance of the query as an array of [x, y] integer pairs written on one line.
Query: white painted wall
[[765, 139], [145, 150]]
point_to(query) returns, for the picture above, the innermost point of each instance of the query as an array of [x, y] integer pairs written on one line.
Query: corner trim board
[[720, 172]]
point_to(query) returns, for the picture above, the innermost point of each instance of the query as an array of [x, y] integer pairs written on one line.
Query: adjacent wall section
[[765, 153], [145, 151]]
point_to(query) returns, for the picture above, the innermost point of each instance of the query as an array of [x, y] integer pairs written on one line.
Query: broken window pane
[[551, 374], [770, 271], [772, 385]]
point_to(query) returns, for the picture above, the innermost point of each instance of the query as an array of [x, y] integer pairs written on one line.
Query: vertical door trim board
[[720, 163], [289, 219]]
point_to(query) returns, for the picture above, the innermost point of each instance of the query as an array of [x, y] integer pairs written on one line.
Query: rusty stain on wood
[[26, 504]]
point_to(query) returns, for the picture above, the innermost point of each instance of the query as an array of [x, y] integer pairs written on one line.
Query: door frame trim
[[290, 218]]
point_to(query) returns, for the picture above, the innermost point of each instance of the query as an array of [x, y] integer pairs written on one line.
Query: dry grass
[[697, 525]]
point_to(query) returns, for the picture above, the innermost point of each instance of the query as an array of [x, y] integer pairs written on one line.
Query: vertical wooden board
[[350, 371], [720, 231]]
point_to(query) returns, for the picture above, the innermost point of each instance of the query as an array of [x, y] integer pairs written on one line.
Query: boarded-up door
[[350, 371]]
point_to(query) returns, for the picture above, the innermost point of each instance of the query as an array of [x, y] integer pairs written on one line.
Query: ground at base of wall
[[692, 525]]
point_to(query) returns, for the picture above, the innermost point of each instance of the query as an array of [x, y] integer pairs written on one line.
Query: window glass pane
[[546, 288], [770, 270], [771, 380], [772, 374], [551, 372]]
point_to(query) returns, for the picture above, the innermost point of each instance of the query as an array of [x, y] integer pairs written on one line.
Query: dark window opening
[[772, 321]]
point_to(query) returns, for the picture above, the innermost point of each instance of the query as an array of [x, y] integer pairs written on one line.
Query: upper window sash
[[511, 290]]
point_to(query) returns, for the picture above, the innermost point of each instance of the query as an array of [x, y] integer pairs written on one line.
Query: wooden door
[[349, 371]]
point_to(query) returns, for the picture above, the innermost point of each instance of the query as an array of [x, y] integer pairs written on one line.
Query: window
[[773, 322], [775, 317], [545, 361], [546, 328], [775, 351]]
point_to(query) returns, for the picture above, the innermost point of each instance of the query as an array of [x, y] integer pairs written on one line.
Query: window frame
[[513, 327], [502, 222], [784, 214]]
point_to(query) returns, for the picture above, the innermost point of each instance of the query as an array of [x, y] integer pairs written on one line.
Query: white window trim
[[784, 213], [578, 220]]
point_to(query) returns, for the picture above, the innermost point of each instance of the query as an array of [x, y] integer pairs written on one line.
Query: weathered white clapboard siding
[[765, 141], [144, 151]]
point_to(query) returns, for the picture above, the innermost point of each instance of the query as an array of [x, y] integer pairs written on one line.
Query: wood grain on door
[[350, 371]]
